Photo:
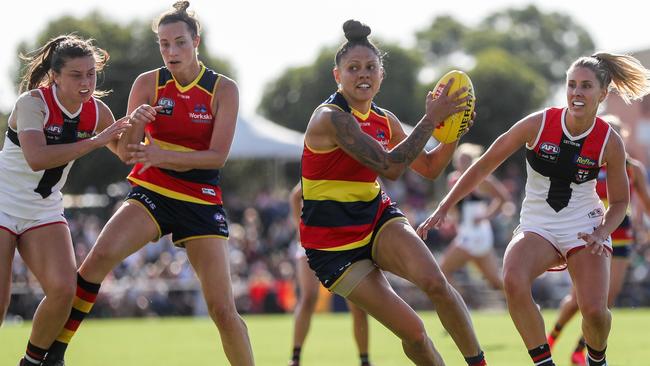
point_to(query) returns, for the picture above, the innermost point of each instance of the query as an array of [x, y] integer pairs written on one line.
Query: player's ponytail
[[53, 56], [621, 72]]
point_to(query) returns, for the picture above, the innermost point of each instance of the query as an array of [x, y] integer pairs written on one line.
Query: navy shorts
[[184, 220], [329, 265], [621, 251]]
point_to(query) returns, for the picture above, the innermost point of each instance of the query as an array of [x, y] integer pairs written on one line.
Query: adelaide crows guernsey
[[342, 199], [184, 124], [623, 235], [562, 171], [34, 195]]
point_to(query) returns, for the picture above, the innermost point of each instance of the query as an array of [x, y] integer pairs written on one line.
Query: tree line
[[515, 57]]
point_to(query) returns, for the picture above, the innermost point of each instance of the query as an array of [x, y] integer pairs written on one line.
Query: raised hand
[[443, 106], [433, 221], [113, 131], [144, 113], [149, 155]]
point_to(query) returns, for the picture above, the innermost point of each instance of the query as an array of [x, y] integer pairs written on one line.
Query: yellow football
[[454, 126]]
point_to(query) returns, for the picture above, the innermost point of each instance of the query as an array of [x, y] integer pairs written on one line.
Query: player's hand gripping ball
[[452, 128]]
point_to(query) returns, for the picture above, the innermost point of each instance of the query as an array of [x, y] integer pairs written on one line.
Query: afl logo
[[549, 148], [167, 104]]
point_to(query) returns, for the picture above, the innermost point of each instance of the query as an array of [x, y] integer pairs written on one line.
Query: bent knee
[[416, 340], [221, 312], [434, 285], [594, 313], [515, 283]]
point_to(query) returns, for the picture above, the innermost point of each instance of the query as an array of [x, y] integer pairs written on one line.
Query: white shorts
[[565, 240], [18, 226], [477, 241]]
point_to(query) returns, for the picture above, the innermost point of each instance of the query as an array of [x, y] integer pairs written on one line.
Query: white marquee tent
[[258, 137]]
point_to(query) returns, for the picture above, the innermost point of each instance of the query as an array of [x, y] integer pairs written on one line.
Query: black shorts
[[184, 220], [329, 265], [621, 251]]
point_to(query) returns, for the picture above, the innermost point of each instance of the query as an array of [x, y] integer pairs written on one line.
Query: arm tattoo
[[369, 152], [360, 145], [409, 149]]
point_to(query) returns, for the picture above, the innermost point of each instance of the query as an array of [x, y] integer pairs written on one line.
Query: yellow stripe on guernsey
[[169, 146], [339, 190], [168, 192]]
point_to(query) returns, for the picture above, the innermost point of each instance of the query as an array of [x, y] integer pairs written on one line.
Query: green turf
[[194, 341]]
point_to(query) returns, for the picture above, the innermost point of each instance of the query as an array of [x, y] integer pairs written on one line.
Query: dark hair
[[53, 56], [179, 13], [356, 34], [622, 72]]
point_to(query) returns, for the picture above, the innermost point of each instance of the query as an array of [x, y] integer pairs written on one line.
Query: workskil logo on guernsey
[[200, 114]]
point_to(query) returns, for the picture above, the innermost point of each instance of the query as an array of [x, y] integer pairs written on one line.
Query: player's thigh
[[209, 258], [590, 275], [48, 253], [528, 256], [375, 296], [398, 249], [129, 229], [7, 252]]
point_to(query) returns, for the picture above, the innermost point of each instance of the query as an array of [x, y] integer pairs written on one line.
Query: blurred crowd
[[159, 281]]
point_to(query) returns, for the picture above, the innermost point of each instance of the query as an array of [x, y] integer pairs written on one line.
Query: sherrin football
[[453, 127]]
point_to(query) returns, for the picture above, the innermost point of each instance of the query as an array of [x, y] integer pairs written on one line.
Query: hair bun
[[181, 5], [354, 30]]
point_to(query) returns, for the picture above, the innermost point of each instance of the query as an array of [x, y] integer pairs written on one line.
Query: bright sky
[[263, 38]]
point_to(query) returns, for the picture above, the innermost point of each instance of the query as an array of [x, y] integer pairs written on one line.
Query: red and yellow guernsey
[[623, 235], [184, 124], [342, 199]]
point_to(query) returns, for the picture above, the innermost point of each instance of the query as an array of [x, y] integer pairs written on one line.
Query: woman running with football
[[622, 243], [57, 119], [187, 112], [563, 223], [349, 226]]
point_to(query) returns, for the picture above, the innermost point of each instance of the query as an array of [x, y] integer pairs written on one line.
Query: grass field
[[194, 341]]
